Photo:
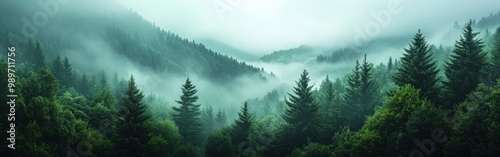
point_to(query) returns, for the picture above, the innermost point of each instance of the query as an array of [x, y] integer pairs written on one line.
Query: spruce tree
[[220, 119], [57, 68], [390, 65], [38, 56], [329, 112], [187, 115], [243, 125], [418, 69], [465, 67], [301, 115], [67, 74], [361, 97], [132, 133], [208, 117], [496, 54]]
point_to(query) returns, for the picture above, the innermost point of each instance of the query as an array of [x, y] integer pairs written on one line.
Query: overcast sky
[[263, 26]]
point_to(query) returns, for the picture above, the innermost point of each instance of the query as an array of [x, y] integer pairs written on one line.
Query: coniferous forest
[[91, 78]]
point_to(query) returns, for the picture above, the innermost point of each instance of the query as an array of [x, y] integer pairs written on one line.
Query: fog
[[262, 26], [248, 29]]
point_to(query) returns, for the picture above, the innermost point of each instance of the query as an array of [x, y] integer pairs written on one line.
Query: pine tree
[[370, 96], [390, 65], [38, 56], [327, 94], [132, 133], [496, 55], [465, 66], [243, 125], [187, 115], [67, 74], [301, 115], [57, 68], [330, 112], [103, 81], [208, 121], [361, 97], [84, 86], [418, 69], [220, 119]]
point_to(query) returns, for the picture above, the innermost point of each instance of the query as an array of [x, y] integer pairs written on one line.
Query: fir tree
[[465, 66], [220, 119], [132, 133], [208, 121], [187, 115], [57, 68], [329, 112], [418, 69], [390, 65], [370, 96], [243, 125], [301, 115], [38, 58], [67, 74], [496, 54], [103, 81], [362, 95]]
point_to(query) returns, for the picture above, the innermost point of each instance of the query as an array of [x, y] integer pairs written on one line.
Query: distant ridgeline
[[123, 31], [490, 22], [287, 56]]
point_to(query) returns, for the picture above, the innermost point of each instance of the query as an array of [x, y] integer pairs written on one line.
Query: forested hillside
[[123, 32], [435, 100]]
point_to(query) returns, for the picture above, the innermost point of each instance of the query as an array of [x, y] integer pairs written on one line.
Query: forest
[[435, 100]]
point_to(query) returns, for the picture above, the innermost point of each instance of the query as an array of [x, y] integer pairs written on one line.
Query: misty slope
[[113, 29], [350, 53], [298, 54]]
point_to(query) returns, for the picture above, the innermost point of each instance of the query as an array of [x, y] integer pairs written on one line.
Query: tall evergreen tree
[[67, 74], [38, 58], [57, 68], [330, 112], [243, 125], [465, 66], [390, 65], [220, 119], [208, 121], [362, 95], [301, 115], [103, 81], [132, 133], [187, 115], [418, 69], [370, 96], [496, 54]]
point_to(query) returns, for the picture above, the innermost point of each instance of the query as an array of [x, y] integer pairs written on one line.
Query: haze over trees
[[435, 100]]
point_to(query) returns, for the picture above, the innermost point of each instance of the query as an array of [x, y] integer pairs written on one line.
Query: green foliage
[[63, 71], [132, 130], [187, 115], [219, 144], [475, 132], [220, 119], [35, 55], [405, 118], [242, 126], [361, 97], [465, 67], [329, 111], [418, 69], [496, 54], [312, 149], [301, 116]]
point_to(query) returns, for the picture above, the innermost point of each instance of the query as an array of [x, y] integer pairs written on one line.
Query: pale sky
[[262, 26]]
